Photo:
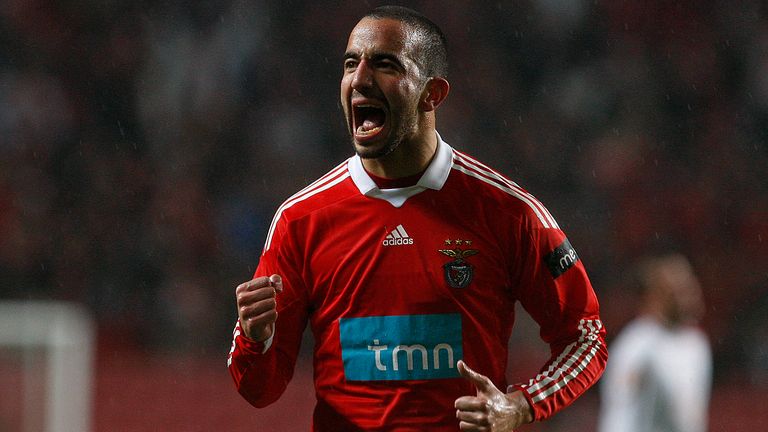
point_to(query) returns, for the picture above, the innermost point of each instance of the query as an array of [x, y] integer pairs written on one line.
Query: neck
[[409, 158]]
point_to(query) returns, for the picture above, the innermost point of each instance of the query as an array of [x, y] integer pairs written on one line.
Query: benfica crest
[[458, 273]]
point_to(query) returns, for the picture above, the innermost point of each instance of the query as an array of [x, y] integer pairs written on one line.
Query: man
[[660, 373], [407, 260]]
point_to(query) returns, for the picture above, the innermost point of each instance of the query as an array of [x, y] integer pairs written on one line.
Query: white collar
[[434, 177]]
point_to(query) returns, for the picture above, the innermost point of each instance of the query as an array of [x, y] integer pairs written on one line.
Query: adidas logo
[[397, 237]]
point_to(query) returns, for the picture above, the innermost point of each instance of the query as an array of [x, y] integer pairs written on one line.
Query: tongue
[[369, 124]]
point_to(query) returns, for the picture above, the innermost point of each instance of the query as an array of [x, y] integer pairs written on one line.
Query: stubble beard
[[378, 152]]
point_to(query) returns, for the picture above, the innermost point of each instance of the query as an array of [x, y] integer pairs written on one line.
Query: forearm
[[260, 374], [567, 375]]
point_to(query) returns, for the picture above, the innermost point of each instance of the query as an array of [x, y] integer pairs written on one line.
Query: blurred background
[[144, 147]]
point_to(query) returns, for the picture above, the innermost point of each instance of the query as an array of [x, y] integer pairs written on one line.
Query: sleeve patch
[[561, 259]]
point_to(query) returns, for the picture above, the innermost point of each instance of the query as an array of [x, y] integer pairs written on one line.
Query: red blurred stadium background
[[145, 145]]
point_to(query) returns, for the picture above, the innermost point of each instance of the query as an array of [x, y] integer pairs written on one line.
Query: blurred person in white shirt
[[660, 373]]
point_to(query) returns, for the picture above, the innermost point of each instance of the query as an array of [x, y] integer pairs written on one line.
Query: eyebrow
[[375, 57]]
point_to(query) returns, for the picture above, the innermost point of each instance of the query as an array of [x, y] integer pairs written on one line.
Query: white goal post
[[61, 335]]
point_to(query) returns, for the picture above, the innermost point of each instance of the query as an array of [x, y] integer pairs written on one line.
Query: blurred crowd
[[144, 146]]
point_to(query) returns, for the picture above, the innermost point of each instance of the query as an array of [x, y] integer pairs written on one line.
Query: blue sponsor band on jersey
[[401, 347]]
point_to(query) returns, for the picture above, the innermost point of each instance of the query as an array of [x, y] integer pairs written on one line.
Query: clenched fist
[[257, 306]]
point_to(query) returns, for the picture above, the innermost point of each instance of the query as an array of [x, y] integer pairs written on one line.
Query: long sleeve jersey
[[397, 285]]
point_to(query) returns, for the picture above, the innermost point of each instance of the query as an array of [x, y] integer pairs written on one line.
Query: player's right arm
[[272, 315]]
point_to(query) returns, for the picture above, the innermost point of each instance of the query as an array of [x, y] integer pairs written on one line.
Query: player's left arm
[[555, 290]]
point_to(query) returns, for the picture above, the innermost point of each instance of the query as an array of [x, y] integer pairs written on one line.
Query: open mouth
[[368, 120]]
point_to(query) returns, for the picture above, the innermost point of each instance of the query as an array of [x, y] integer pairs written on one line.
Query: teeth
[[361, 130]]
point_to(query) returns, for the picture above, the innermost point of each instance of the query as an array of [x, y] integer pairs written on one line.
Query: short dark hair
[[434, 50]]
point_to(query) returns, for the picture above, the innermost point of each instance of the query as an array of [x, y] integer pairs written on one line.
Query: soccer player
[[660, 373], [406, 260]]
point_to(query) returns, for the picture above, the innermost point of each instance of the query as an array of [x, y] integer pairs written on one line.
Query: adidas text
[[397, 241]]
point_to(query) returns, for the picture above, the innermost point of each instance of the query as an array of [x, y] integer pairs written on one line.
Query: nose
[[362, 77]]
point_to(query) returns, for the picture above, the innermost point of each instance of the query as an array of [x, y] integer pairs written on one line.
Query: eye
[[386, 65], [350, 64]]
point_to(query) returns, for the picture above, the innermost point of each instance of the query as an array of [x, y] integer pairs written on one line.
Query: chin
[[375, 151]]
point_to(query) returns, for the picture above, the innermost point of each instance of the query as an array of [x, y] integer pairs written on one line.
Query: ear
[[434, 94]]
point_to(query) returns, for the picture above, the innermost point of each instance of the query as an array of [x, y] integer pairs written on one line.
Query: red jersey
[[399, 284]]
